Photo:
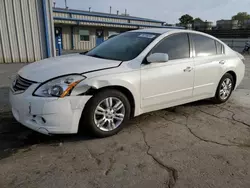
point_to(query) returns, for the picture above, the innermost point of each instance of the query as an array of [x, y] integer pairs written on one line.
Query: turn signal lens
[[70, 87]]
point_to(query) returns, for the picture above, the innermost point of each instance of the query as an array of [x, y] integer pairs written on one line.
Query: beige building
[[30, 29], [83, 30], [227, 24], [200, 25]]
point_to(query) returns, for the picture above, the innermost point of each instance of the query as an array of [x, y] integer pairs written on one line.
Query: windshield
[[123, 47]]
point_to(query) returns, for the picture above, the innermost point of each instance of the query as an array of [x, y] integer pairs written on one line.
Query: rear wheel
[[106, 112], [224, 89]]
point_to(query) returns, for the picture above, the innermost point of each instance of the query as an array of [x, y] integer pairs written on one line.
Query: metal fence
[[230, 33], [236, 44], [26, 30]]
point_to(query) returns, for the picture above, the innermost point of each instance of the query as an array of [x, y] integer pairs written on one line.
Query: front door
[[168, 82], [99, 37]]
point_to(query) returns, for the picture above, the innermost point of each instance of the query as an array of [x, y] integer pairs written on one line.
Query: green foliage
[[241, 16], [186, 19], [198, 20]]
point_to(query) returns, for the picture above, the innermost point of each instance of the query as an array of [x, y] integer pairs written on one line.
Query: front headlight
[[58, 87]]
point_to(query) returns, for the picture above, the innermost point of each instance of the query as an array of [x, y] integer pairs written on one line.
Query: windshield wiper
[[83, 53], [97, 56], [94, 55]]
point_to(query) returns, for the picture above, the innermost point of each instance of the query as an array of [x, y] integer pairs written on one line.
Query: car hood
[[46, 69]]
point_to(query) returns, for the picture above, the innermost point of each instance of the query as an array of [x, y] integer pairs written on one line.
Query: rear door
[[209, 59]]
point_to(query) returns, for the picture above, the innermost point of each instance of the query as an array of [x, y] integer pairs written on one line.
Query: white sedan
[[133, 73]]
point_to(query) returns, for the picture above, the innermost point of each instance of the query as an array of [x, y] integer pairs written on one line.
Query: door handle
[[222, 62], [188, 69]]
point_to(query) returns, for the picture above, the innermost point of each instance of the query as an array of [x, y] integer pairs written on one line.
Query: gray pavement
[[193, 145]]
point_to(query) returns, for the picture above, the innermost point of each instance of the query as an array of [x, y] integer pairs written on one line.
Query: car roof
[[166, 30], [156, 30]]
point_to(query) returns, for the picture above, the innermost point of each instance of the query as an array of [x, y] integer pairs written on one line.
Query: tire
[[218, 98], [91, 117]]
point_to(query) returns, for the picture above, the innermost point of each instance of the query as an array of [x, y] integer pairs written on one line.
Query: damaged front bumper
[[47, 115]]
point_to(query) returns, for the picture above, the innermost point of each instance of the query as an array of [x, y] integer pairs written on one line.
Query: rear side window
[[204, 46], [176, 46], [219, 48]]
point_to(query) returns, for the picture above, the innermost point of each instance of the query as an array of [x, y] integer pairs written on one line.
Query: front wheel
[[106, 112], [224, 89]]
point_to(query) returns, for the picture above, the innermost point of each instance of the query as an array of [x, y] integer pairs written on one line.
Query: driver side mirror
[[158, 58]]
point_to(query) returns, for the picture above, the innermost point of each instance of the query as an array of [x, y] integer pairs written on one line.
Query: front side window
[[204, 46], [176, 46], [123, 47], [84, 35]]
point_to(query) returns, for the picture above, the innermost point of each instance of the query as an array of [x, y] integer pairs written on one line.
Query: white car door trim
[[204, 85], [190, 88]]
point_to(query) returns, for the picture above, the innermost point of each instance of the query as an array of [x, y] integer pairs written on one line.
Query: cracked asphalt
[[194, 145]]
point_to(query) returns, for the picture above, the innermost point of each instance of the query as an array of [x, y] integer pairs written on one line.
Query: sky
[[165, 10]]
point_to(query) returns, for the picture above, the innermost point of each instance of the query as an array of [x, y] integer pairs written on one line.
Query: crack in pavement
[[233, 119], [206, 140], [203, 139], [112, 162], [98, 161], [198, 137], [173, 173], [233, 116]]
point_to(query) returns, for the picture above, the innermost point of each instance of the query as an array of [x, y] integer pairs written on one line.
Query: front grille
[[21, 84]]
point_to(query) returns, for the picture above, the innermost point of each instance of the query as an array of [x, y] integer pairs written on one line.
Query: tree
[[186, 19], [241, 17], [198, 20]]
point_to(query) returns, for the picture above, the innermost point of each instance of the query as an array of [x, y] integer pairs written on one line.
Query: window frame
[[194, 50], [223, 47], [84, 35], [166, 37]]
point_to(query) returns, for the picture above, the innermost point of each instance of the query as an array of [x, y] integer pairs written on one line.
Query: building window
[[84, 35]]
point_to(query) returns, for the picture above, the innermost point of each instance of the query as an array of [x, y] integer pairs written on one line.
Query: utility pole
[[110, 9], [66, 6], [89, 9]]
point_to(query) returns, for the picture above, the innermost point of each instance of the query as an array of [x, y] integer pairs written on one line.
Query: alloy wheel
[[225, 89], [109, 114]]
